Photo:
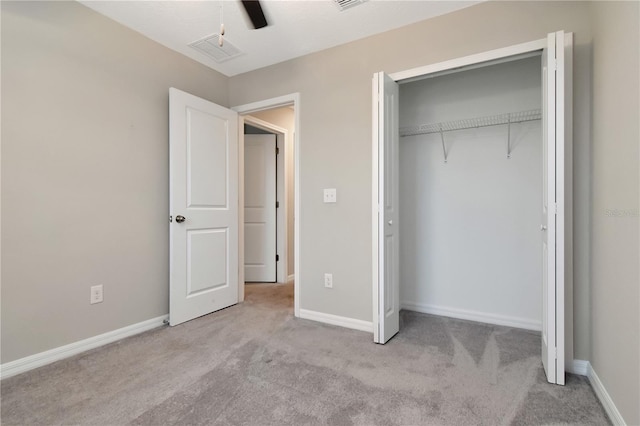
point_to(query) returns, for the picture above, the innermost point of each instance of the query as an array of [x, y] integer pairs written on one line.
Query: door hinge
[[277, 257], [277, 204], [277, 150], [170, 219], [556, 207]]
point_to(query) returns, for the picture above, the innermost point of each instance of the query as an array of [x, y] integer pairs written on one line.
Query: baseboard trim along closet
[[43, 358], [584, 368], [604, 397], [579, 367], [354, 324], [472, 315]]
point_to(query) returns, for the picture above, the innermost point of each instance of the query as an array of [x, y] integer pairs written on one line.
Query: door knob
[[180, 219], [390, 222], [543, 227]]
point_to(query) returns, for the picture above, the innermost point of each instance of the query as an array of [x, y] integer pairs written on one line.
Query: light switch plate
[[328, 280], [330, 195], [96, 294]]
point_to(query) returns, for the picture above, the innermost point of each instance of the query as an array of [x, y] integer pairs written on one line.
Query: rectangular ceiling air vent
[[209, 46], [346, 4]]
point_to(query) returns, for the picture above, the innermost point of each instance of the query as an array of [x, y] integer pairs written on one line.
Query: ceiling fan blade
[[255, 13]]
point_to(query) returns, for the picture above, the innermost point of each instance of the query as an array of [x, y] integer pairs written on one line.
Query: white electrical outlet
[[330, 195], [328, 280], [96, 294]]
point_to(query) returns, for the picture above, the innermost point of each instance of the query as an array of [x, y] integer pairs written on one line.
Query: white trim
[[277, 102], [499, 61], [465, 61], [291, 278], [352, 323], [560, 206], [464, 314], [282, 211], [286, 100], [240, 208], [568, 207], [584, 368], [0, 167], [264, 125], [43, 358], [605, 398], [579, 367], [375, 170]]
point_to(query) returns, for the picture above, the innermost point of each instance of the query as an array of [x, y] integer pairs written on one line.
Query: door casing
[[292, 99]]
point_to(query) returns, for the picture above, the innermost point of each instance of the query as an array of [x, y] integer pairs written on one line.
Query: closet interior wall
[[470, 243]]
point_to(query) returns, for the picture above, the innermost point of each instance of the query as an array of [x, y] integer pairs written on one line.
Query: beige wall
[[84, 172], [284, 117], [335, 137], [85, 167], [615, 353]]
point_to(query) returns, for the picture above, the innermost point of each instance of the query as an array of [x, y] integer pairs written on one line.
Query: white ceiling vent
[[346, 4], [210, 47]]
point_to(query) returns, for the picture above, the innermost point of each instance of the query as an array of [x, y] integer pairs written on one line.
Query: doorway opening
[[268, 193], [272, 177]]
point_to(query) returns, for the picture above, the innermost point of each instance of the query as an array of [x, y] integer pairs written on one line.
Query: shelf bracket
[[509, 139], [444, 147]]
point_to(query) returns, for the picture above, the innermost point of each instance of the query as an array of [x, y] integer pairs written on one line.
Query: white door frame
[[292, 99], [474, 61], [282, 213]]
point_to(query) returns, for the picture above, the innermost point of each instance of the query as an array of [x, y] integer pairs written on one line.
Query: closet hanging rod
[[472, 123]]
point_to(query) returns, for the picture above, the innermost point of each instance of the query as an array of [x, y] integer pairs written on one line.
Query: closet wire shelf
[[473, 123]]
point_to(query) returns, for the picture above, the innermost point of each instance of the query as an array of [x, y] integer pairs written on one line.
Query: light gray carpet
[[254, 364]]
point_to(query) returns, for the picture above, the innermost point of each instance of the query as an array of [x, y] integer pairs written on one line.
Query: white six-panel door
[[260, 208], [386, 197], [203, 205]]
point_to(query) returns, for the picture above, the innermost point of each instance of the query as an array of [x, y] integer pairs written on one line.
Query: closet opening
[[471, 187]]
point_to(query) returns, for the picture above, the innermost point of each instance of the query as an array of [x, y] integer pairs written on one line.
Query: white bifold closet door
[[553, 205], [260, 208], [385, 202], [386, 158]]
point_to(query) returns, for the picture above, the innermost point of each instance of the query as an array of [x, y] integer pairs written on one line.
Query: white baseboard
[[579, 367], [337, 320], [43, 358], [291, 278], [473, 315], [605, 398]]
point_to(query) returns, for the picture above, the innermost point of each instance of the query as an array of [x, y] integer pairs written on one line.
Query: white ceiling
[[297, 27]]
